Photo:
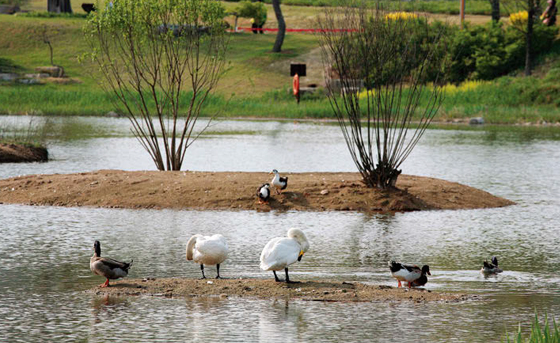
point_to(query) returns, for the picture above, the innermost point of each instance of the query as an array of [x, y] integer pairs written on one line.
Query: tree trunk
[[495, 10], [281, 26], [59, 6], [529, 38]]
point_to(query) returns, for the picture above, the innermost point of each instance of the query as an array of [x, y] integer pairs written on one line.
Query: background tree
[[281, 26], [381, 53], [526, 12], [59, 6], [495, 4], [247, 9], [160, 59]]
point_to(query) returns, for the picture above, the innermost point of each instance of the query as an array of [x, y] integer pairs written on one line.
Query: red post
[[296, 87]]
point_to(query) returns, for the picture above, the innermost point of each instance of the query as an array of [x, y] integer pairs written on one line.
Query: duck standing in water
[[107, 267], [207, 250], [281, 252], [491, 268], [279, 183], [412, 274], [263, 193]]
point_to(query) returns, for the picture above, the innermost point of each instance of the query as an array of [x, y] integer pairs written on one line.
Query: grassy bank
[[256, 83]]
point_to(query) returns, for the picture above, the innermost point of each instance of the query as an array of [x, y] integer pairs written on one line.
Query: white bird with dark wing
[[409, 273], [207, 250], [107, 267], [263, 193], [281, 252], [491, 268], [279, 183]]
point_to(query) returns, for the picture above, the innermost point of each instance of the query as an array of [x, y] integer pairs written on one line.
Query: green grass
[[428, 6], [540, 333]]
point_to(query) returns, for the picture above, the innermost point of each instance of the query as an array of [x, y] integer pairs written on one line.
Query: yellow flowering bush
[[519, 19], [400, 16], [466, 86]]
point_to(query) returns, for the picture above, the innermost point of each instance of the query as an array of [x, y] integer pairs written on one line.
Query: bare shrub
[[160, 59], [383, 103]]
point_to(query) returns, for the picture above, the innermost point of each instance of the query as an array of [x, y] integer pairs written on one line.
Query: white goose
[[281, 252], [279, 183], [207, 250]]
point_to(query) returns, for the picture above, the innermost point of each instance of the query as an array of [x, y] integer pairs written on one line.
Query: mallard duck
[[279, 183], [263, 193], [491, 268], [411, 274], [207, 250], [281, 252], [107, 267]]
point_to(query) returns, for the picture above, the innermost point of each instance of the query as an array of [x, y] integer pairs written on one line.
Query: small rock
[[112, 114], [94, 183], [324, 192], [210, 282], [476, 121], [247, 288], [223, 295], [325, 292]]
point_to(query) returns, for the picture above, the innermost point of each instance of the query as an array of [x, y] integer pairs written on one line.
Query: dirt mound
[[14, 153], [323, 290], [237, 190]]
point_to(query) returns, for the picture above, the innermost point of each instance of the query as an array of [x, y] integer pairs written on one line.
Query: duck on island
[[412, 274], [280, 252], [107, 267], [279, 183], [207, 250], [491, 268], [263, 193]]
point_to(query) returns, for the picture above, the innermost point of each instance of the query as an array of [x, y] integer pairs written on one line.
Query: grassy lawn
[[256, 83]]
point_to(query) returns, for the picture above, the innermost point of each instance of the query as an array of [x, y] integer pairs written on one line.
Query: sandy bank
[[323, 290], [236, 190]]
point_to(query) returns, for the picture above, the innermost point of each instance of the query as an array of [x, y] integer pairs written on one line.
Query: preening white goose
[[207, 250], [263, 193], [281, 252], [279, 183], [107, 267], [409, 273]]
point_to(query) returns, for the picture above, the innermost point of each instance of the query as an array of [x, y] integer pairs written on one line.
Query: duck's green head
[[97, 248]]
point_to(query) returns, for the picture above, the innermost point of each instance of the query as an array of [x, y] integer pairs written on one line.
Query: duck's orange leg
[[106, 284], [400, 285], [409, 284]]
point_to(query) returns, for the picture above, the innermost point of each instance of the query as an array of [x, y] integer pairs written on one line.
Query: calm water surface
[[45, 251]]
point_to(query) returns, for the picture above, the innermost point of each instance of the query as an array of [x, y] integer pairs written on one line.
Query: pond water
[[45, 251]]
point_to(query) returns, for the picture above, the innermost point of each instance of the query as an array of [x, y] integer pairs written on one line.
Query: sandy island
[[237, 190], [323, 290]]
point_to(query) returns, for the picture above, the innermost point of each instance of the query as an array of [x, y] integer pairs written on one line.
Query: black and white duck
[[412, 274], [107, 267], [279, 183], [263, 193]]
